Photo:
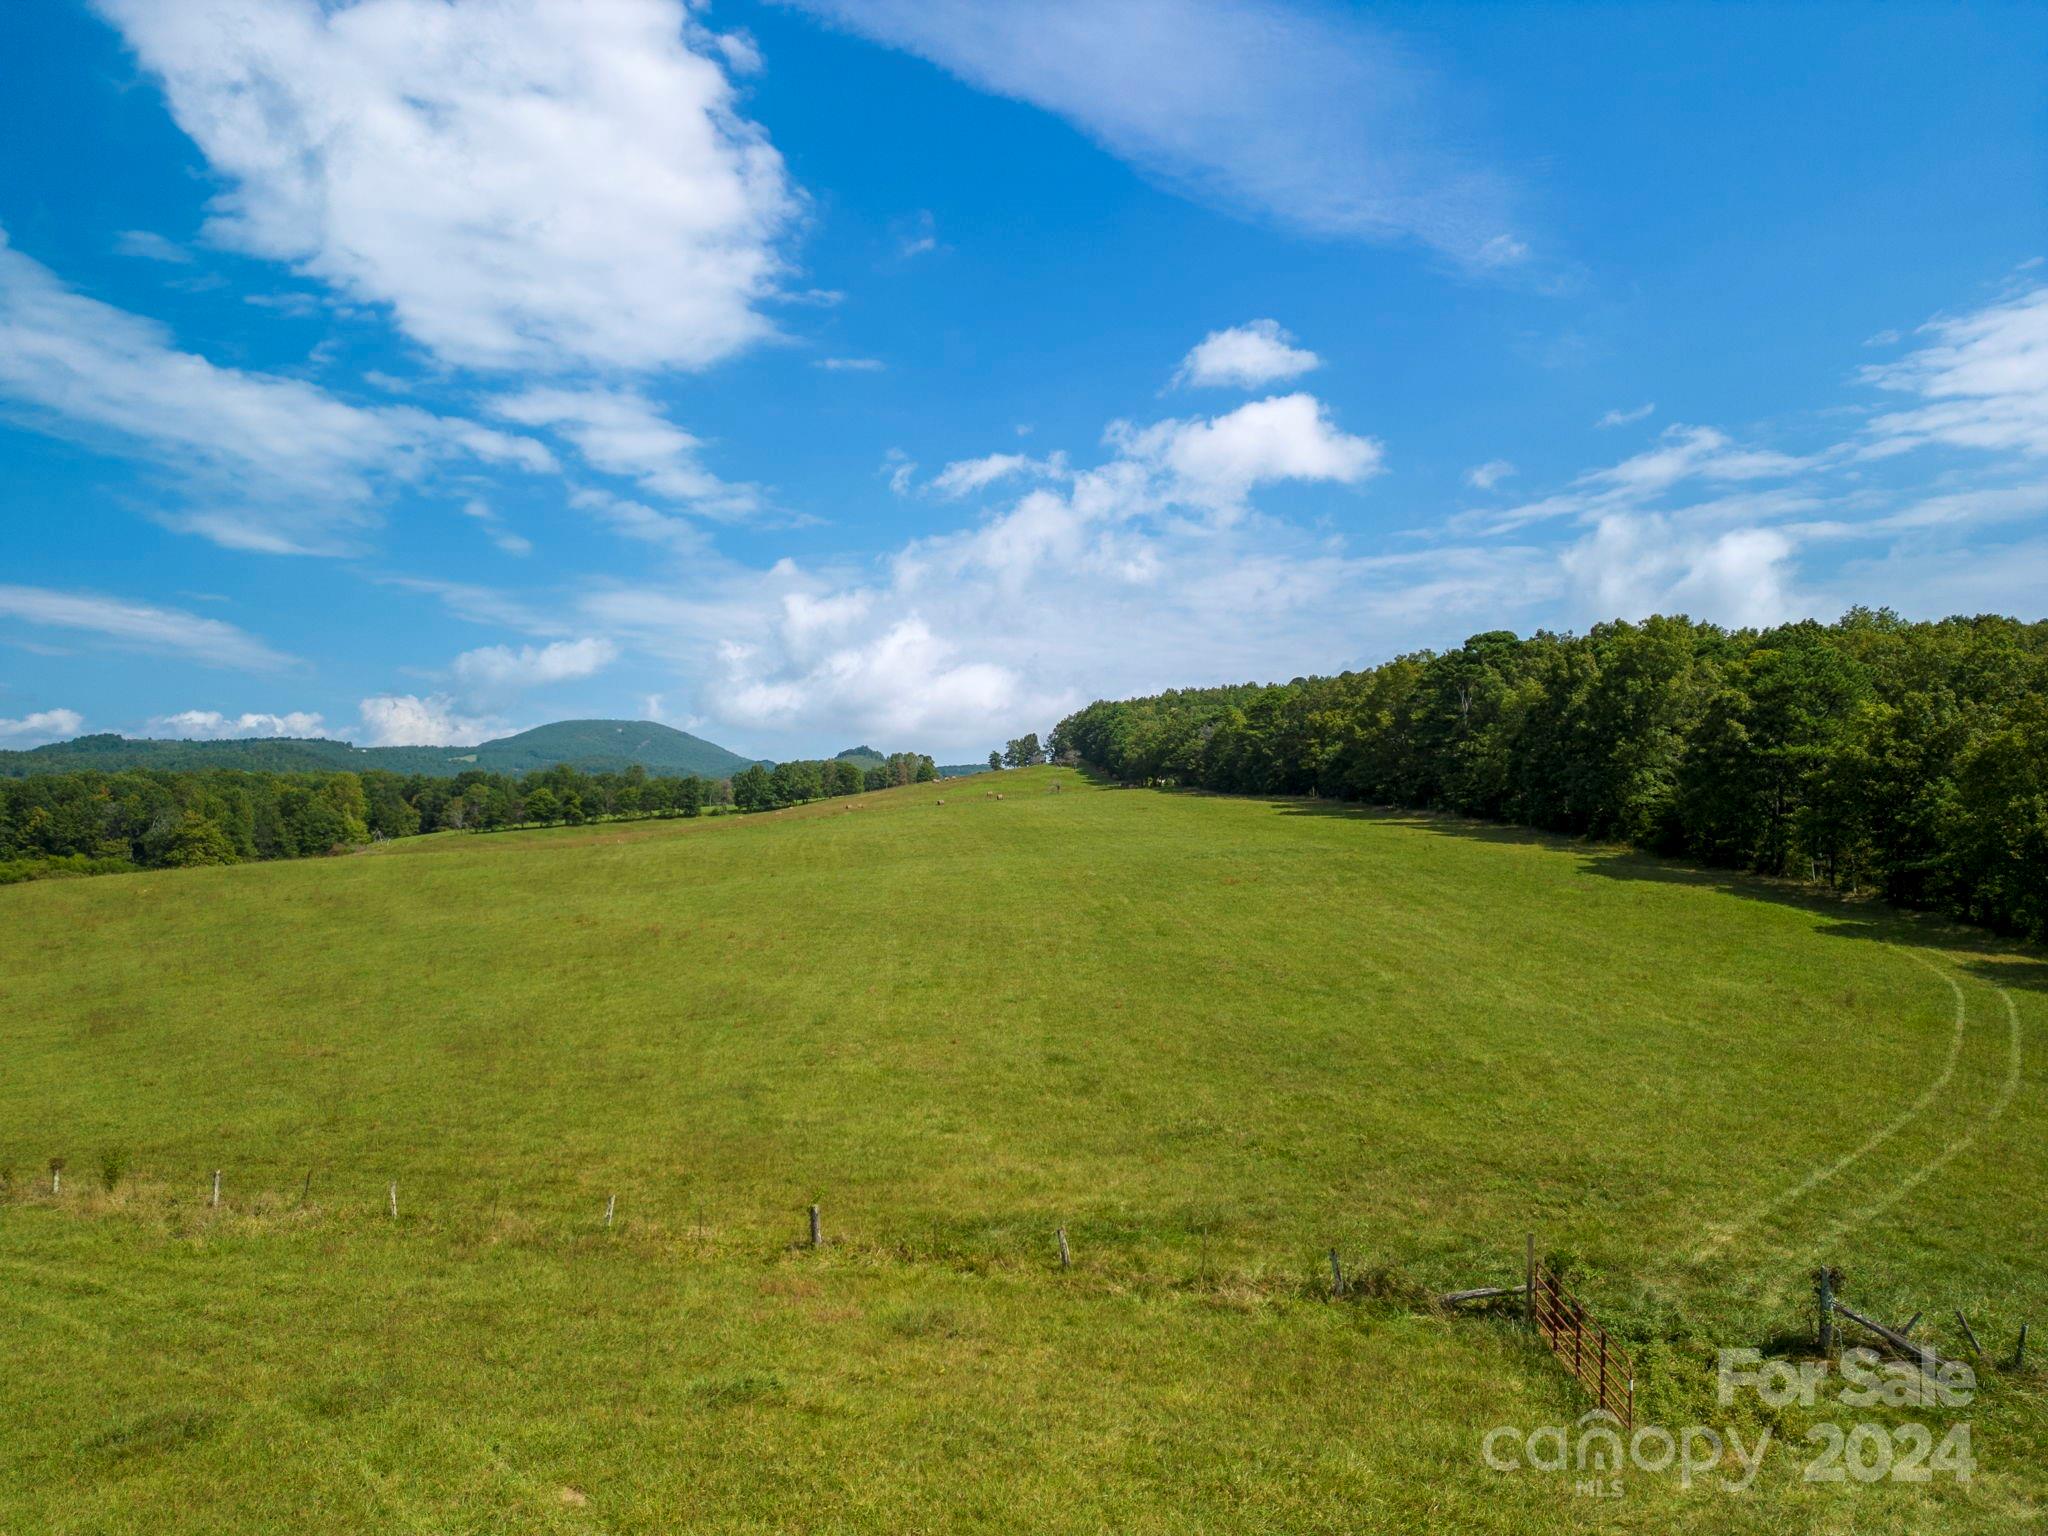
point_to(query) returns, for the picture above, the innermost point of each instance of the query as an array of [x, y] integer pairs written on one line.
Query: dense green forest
[[101, 823], [1874, 754]]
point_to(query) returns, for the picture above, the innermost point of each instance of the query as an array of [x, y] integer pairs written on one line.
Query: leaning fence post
[[609, 1206], [1336, 1275], [1824, 1280], [817, 1231], [2019, 1353], [1971, 1333], [1066, 1259]]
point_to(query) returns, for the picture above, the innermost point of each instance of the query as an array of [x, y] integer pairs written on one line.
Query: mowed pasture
[[1212, 1038]]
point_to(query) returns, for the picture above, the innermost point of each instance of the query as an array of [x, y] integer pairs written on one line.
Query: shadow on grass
[[1999, 961]]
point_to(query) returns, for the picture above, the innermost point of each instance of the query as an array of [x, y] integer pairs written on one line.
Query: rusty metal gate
[[1601, 1366]]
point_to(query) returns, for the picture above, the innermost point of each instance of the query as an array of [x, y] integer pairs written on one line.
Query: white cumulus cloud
[[1215, 463], [1143, 563], [1246, 357], [42, 726], [500, 667], [212, 725], [523, 183], [1633, 565], [409, 720]]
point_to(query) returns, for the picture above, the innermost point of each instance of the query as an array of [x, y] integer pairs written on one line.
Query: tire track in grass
[[379, 1485], [1884, 1133], [2007, 1092]]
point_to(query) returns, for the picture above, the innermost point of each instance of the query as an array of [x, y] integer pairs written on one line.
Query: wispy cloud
[[1622, 418], [477, 604], [142, 627], [963, 477], [636, 520], [481, 511], [622, 432], [1484, 477], [1983, 377], [1294, 112], [899, 469], [146, 245], [850, 364], [1681, 454], [263, 462], [919, 236]]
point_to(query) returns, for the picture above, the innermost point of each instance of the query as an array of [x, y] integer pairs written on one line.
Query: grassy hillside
[[1212, 1037], [592, 745]]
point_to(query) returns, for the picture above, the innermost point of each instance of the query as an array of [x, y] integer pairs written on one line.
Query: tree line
[[766, 789], [94, 822], [1871, 754], [1020, 752]]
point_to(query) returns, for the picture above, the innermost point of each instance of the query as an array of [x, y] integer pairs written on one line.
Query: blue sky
[[913, 371]]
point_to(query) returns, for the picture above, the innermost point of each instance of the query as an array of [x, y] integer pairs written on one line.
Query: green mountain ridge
[[592, 745]]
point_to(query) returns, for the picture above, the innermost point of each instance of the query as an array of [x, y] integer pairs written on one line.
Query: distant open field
[[1213, 1038]]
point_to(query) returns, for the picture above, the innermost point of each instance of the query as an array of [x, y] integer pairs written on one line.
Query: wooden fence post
[[216, 1186], [609, 1206], [1066, 1259], [1529, 1281], [817, 1230], [1970, 1333], [1824, 1298], [1336, 1275], [2019, 1354], [394, 1199]]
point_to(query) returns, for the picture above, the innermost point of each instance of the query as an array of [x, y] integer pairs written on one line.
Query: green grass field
[[1212, 1038]]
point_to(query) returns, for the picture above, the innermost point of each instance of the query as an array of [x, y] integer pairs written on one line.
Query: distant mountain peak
[[592, 745]]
